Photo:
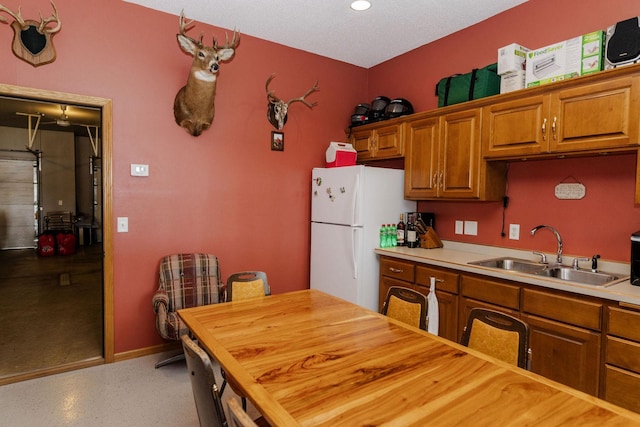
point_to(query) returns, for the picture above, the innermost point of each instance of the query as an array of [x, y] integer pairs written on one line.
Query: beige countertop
[[456, 255]]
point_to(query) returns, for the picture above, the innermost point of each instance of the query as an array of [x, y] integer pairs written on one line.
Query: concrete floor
[[129, 393]]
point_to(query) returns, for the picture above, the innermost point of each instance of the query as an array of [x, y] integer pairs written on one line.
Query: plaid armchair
[[186, 280]]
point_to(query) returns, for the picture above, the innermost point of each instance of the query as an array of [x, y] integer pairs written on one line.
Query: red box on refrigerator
[[340, 154]]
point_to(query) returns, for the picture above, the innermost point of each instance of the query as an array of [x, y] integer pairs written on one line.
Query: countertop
[[456, 255]]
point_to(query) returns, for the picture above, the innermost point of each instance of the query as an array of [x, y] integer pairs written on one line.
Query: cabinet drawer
[[623, 353], [398, 269], [564, 309], [624, 323], [621, 388], [449, 279], [489, 291]]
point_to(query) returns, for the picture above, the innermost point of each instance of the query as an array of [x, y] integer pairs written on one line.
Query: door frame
[[106, 106]]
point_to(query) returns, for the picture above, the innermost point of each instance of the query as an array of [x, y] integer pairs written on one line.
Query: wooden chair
[[203, 384], [240, 286], [406, 305], [498, 335], [239, 418]]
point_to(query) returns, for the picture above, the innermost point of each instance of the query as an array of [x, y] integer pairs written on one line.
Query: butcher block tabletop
[[307, 358]]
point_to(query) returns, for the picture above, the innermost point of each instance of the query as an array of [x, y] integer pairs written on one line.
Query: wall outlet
[[471, 228], [123, 224], [514, 231], [459, 227]]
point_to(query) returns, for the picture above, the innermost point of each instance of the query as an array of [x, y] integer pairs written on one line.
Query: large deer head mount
[[193, 107], [277, 109], [33, 40]]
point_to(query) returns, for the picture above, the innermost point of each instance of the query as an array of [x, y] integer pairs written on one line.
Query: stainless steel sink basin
[[512, 264], [569, 274], [581, 276]]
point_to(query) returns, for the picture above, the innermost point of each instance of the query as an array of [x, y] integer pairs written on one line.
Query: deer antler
[[186, 26], [302, 98], [234, 41], [270, 95], [16, 17], [54, 18]]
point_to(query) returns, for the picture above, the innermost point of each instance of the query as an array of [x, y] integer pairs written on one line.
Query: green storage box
[[479, 83]]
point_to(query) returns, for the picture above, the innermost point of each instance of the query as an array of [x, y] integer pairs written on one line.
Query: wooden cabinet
[[621, 374], [443, 159], [595, 117], [564, 337], [378, 141], [394, 272]]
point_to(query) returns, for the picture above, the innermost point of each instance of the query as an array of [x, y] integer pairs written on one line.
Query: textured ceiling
[[330, 28]]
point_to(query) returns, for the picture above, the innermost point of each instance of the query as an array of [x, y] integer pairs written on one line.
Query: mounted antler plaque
[[33, 40], [277, 109]]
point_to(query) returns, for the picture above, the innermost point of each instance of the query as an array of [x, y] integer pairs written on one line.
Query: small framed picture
[[277, 141]]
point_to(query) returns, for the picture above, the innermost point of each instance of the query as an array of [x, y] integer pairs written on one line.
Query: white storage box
[[571, 58], [511, 58], [340, 154], [512, 81]]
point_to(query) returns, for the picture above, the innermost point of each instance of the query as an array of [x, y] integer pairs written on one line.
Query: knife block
[[430, 239]]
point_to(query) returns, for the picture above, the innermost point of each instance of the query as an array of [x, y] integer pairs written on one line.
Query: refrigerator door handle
[[354, 249], [354, 201]]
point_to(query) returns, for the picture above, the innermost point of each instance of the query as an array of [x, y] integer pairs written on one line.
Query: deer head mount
[[193, 107], [277, 109], [33, 40]]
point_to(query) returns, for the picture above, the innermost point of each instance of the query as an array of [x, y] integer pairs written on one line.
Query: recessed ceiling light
[[360, 5]]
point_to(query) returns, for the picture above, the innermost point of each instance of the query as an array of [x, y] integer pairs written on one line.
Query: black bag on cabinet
[[622, 43]]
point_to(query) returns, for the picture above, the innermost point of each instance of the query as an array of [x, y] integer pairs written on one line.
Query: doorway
[[94, 246]]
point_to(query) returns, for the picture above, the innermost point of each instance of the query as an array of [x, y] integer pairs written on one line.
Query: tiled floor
[[129, 393]]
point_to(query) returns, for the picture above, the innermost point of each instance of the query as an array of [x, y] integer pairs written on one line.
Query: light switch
[[123, 224], [459, 227], [139, 170], [471, 228]]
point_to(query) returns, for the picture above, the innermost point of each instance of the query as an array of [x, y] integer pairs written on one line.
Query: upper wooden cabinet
[[592, 117], [378, 141], [443, 158]]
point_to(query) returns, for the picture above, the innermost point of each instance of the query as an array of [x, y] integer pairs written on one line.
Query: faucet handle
[[576, 260], [543, 257]]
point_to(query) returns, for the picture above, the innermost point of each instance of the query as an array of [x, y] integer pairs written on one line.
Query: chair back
[[190, 280], [58, 221], [247, 284], [237, 416], [203, 384], [498, 335], [406, 305]]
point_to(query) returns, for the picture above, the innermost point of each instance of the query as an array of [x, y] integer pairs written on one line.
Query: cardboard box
[[340, 154], [512, 81], [512, 58], [571, 58]]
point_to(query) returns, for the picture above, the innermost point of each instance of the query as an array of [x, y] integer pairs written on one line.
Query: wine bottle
[[400, 231], [412, 235]]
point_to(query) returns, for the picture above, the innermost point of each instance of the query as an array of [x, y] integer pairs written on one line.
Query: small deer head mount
[[33, 40], [193, 107], [277, 109]]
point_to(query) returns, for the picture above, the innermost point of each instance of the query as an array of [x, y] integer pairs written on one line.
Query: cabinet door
[[621, 387], [421, 158], [515, 128], [388, 142], [596, 116], [460, 155], [448, 315], [361, 141], [564, 353]]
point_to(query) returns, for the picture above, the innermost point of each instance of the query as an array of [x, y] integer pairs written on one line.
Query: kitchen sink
[[569, 274]]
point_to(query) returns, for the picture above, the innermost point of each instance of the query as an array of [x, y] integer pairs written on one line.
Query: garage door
[[17, 218]]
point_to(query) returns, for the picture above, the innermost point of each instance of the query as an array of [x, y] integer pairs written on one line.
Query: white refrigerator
[[348, 206]]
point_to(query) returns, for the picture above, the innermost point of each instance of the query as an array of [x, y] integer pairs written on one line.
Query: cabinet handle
[[553, 128], [441, 179], [434, 180], [395, 270], [544, 129]]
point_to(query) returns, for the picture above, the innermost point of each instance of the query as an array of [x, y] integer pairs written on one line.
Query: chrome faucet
[[533, 232]]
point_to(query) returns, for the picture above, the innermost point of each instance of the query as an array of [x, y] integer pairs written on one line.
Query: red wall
[[224, 192], [601, 222]]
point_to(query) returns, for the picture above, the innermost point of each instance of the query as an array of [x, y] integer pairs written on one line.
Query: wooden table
[[307, 358]]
